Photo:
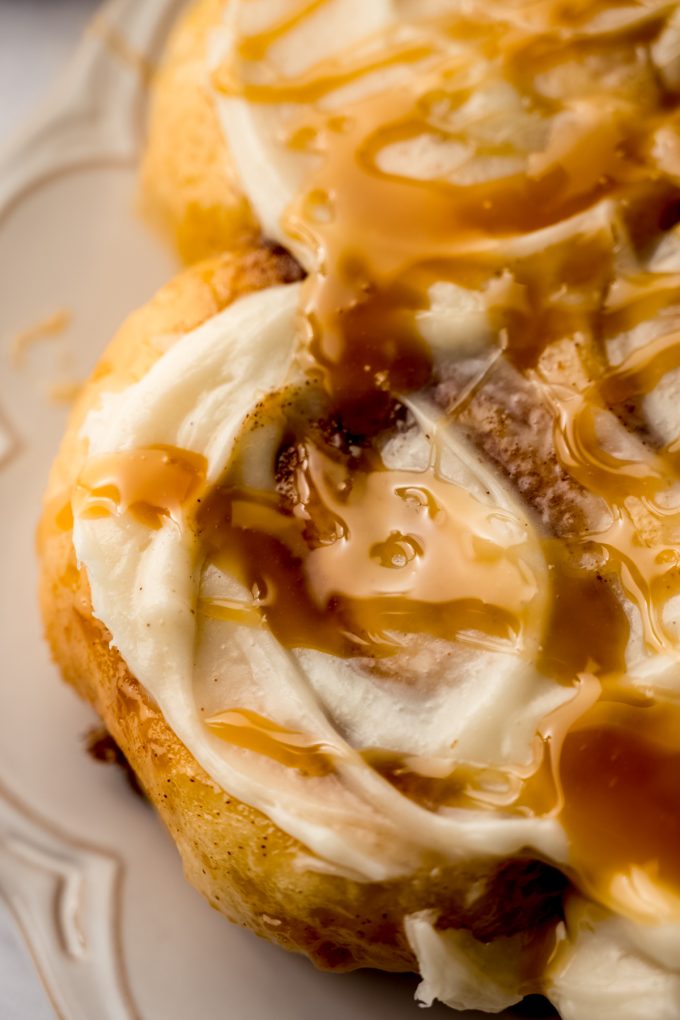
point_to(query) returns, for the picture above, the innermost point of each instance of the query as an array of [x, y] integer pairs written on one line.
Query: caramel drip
[[587, 630], [256, 46], [381, 237], [643, 370], [637, 299], [509, 420], [433, 792], [314, 86], [607, 768], [618, 774], [640, 544], [353, 558], [289, 748], [150, 483], [533, 789], [438, 785], [413, 231]]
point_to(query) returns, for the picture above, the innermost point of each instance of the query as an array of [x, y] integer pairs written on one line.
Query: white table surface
[[36, 38]]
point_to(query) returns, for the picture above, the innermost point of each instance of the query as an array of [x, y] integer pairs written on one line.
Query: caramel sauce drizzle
[[150, 483], [290, 748], [618, 772], [256, 46], [349, 557]]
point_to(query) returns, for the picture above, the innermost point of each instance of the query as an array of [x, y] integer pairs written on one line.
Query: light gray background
[[36, 38]]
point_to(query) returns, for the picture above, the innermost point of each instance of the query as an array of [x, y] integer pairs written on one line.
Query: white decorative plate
[[90, 875]]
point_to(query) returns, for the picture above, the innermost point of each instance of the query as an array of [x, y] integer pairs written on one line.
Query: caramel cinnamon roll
[[370, 558]]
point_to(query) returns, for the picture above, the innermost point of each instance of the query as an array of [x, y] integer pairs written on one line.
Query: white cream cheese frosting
[[146, 587]]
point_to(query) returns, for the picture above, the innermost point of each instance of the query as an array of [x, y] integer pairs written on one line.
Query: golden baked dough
[[239, 860], [189, 187]]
